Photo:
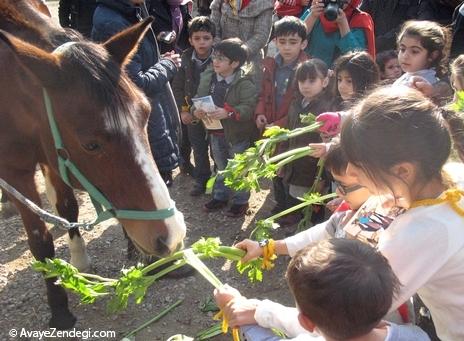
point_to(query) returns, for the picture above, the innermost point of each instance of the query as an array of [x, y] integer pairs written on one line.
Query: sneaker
[[197, 190], [214, 205], [236, 211]]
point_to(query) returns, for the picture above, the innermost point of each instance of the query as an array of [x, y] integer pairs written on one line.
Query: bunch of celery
[[244, 171], [135, 280]]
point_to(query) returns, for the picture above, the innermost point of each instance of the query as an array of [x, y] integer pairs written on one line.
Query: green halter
[[104, 208]]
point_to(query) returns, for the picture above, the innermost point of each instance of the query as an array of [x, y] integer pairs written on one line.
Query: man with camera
[[336, 27]]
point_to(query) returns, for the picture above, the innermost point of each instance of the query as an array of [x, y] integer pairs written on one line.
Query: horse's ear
[[44, 65], [123, 45]]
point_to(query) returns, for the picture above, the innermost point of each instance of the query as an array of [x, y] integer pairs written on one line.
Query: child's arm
[[244, 109], [178, 89]]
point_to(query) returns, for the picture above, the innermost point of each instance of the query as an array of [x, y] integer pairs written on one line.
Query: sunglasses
[[344, 190]]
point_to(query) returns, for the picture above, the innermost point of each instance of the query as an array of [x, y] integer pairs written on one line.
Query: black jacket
[[77, 14]]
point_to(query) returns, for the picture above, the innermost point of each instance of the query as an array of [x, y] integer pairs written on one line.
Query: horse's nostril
[[161, 246]]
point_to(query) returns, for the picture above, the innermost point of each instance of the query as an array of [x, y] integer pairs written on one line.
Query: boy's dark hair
[[384, 57], [311, 69], [289, 25], [335, 160], [344, 286], [234, 49], [201, 23], [361, 68]]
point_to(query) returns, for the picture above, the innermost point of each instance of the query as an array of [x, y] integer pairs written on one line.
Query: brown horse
[[102, 118]]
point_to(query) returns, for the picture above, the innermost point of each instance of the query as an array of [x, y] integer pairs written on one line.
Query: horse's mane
[[103, 79]]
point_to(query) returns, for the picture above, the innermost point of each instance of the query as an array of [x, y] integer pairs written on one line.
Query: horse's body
[[102, 119]]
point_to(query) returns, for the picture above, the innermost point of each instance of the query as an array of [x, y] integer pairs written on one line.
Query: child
[[457, 82], [355, 73], [423, 52], [397, 142], [234, 95], [312, 78], [194, 61], [389, 66], [342, 288], [278, 87]]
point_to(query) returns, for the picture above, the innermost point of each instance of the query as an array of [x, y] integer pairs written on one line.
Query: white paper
[[207, 105]]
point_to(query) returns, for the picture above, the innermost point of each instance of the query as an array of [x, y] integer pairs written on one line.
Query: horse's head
[[102, 118]]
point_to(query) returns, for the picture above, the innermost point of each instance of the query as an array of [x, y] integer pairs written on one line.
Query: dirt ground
[[22, 291]]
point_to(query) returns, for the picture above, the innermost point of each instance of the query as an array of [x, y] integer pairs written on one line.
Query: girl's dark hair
[[394, 125], [201, 23], [362, 69], [433, 37], [311, 69], [384, 57], [335, 160], [234, 49]]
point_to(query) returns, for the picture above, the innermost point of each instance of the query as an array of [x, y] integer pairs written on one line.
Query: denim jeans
[[199, 143], [222, 151]]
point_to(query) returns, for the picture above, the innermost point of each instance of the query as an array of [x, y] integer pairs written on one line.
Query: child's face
[[392, 69], [223, 66], [345, 85], [456, 83], [310, 88], [202, 42], [350, 191], [290, 47], [412, 55]]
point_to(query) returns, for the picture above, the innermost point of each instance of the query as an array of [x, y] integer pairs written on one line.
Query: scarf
[[176, 16], [356, 19], [238, 5]]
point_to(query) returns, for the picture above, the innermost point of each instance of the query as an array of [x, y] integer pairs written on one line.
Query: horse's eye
[[91, 147]]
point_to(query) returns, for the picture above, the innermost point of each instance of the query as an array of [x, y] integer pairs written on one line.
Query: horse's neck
[[23, 19]]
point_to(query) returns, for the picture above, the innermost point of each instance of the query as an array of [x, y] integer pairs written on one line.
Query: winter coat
[[112, 16], [185, 83], [77, 14], [252, 24], [267, 100], [302, 172], [388, 17], [160, 10], [241, 99]]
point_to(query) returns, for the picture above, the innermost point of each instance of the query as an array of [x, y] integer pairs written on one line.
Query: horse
[[101, 119]]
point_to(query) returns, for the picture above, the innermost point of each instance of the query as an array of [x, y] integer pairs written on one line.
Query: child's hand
[[173, 57], [333, 204], [252, 248], [261, 121], [219, 114], [318, 150], [422, 85], [331, 123], [186, 117], [198, 113], [240, 311], [317, 7], [225, 294]]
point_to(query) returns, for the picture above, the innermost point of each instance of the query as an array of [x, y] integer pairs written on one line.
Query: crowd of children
[[387, 166], [387, 134]]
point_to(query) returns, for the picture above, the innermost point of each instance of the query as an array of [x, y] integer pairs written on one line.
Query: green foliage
[[458, 105], [244, 171], [131, 283], [70, 278], [253, 269]]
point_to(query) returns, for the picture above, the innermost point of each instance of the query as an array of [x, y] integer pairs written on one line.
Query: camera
[[331, 8]]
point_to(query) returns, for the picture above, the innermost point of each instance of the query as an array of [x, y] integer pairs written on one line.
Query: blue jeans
[[254, 332], [222, 151], [199, 143]]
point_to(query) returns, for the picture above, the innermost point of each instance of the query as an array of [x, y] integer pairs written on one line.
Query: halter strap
[[105, 210]]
